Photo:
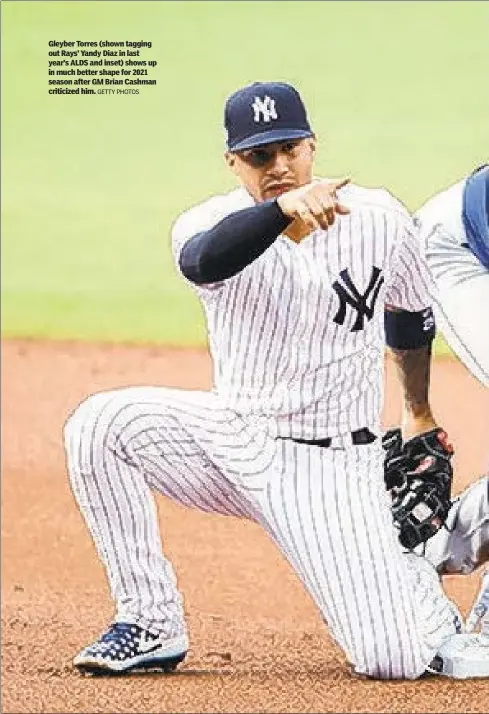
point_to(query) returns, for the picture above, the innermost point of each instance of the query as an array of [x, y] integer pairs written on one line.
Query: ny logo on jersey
[[363, 303], [264, 107]]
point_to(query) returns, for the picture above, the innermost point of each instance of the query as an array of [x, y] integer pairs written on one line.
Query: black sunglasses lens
[[259, 157]]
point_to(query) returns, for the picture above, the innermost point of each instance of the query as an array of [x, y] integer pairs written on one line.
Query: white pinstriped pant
[[325, 508], [462, 545]]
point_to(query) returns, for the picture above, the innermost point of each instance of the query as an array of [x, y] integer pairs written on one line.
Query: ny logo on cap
[[265, 107]]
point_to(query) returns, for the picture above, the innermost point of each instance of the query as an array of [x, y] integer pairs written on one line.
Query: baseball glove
[[419, 476]]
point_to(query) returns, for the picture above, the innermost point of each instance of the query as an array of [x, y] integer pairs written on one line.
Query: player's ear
[[312, 144], [230, 160]]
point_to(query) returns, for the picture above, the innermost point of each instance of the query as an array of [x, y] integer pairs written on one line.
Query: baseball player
[[454, 535], [454, 227], [293, 273]]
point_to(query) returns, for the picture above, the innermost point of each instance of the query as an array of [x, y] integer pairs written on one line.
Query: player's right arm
[[225, 248], [216, 254]]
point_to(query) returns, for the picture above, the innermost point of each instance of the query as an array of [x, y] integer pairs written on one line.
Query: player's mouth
[[277, 189]]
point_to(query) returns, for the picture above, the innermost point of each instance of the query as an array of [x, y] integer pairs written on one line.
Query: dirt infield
[[258, 644]]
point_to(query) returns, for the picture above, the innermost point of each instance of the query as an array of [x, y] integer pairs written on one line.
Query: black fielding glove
[[419, 477]]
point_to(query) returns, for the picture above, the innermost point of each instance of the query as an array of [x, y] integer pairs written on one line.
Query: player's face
[[270, 170]]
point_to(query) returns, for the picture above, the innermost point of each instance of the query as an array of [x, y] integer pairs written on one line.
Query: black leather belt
[[358, 437]]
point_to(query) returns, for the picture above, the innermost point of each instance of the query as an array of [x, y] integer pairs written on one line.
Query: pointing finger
[[335, 184], [339, 183]]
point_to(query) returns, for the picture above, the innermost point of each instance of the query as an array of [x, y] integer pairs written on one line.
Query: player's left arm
[[410, 327], [418, 465], [418, 471], [409, 342]]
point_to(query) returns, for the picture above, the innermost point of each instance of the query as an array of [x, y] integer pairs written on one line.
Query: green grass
[[91, 184]]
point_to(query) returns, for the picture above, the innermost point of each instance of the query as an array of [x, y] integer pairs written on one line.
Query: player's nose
[[280, 166]]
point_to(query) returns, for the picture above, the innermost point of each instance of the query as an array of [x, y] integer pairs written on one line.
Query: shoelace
[[119, 628], [120, 633]]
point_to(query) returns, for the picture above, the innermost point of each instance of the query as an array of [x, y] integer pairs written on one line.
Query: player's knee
[[395, 663], [80, 423], [107, 420], [388, 669]]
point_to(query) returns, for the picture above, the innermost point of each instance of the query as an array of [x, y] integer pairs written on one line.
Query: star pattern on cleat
[[120, 641]]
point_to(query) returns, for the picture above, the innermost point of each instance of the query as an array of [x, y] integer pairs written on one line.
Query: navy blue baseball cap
[[262, 113]]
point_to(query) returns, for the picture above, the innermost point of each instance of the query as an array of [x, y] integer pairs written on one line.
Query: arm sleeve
[[410, 284], [233, 243]]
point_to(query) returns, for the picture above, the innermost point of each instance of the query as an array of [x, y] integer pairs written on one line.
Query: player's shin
[[120, 512]]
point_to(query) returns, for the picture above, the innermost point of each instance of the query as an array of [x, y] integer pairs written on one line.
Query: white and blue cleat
[[466, 656], [463, 656], [126, 648]]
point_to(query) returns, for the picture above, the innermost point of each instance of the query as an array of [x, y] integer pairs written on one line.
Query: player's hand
[[419, 476], [316, 204]]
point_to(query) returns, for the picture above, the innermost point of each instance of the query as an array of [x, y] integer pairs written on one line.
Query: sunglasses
[[262, 156]]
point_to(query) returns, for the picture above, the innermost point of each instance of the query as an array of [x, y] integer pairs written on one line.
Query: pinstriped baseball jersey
[[298, 334]]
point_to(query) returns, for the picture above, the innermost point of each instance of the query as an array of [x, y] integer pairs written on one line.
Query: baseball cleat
[[462, 656], [125, 647]]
